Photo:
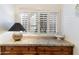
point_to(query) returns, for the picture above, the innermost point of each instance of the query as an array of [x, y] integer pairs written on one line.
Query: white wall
[[70, 24], [6, 16], [38, 7]]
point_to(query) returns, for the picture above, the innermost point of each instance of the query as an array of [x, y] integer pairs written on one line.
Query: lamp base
[[17, 36], [17, 39]]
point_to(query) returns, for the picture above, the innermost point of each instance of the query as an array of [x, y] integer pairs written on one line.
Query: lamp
[[17, 35]]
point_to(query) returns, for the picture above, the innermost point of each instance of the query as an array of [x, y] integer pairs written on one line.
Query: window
[[39, 22]]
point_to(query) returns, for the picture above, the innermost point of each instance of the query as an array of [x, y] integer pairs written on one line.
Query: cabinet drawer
[[55, 50], [15, 50], [49, 49], [19, 50]]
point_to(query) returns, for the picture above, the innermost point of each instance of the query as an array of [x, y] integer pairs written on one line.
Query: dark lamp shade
[[17, 27]]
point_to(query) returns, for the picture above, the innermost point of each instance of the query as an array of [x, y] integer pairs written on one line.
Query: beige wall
[[37, 7]]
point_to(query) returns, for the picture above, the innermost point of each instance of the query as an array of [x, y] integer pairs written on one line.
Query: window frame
[[57, 22]]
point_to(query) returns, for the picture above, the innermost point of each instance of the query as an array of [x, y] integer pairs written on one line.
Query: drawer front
[[19, 50], [48, 50], [15, 50], [55, 50]]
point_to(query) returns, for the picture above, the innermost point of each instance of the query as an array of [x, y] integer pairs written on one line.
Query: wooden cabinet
[[36, 50]]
